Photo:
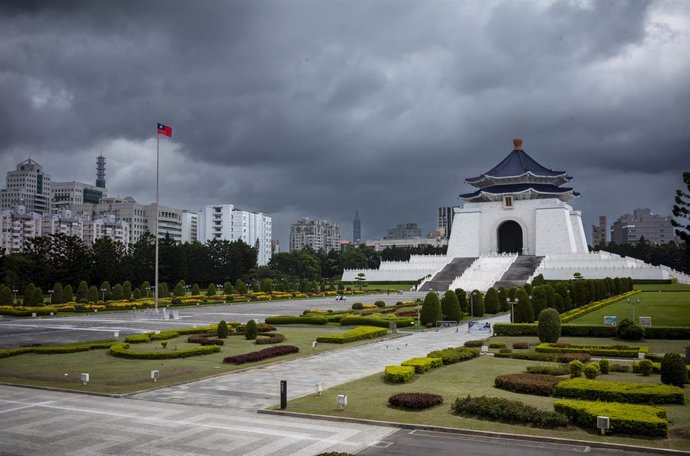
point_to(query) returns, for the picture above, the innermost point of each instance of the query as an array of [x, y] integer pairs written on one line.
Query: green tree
[[145, 289], [681, 210], [266, 286], [179, 289], [503, 300], [361, 280], [539, 300], [673, 370], [549, 325], [477, 303], [195, 290], [108, 290], [127, 290], [431, 309], [240, 287], [82, 294], [117, 294], [523, 309], [250, 330], [37, 299], [67, 294], [222, 329], [450, 306], [28, 298], [491, 302], [228, 288], [462, 299], [211, 290], [163, 291], [6, 296], [57, 296], [136, 294], [92, 294]]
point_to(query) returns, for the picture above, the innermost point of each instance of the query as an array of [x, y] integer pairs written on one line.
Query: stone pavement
[[259, 388], [37, 422]]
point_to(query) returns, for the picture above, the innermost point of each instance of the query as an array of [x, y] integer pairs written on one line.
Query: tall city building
[[319, 235], [356, 228], [444, 221], [107, 226], [66, 194], [190, 226], [630, 228], [65, 223], [599, 232], [404, 231], [100, 171], [18, 226], [27, 186], [226, 222]]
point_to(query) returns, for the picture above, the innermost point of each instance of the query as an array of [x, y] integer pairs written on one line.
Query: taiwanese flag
[[164, 130]]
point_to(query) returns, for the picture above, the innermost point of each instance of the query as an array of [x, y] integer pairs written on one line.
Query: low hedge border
[[398, 374], [507, 411], [401, 322], [260, 355], [549, 369], [454, 355], [637, 393], [56, 349], [296, 320], [624, 418], [620, 351], [121, 350], [529, 356], [536, 384], [530, 329], [596, 305], [422, 365], [355, 334]]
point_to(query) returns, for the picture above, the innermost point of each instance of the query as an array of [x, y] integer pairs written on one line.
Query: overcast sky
[[317, 108]]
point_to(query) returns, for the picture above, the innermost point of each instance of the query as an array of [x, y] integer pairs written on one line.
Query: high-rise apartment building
[[27, 186], [18, 226], [108, 226], [63, 223], [630, 228], [225, 222], [319, 235], [404, 231], [444, 221], [356, 228], [190, 226], [599, 232]]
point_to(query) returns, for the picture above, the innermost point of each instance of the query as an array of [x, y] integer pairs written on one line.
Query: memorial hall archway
[[510, 237]]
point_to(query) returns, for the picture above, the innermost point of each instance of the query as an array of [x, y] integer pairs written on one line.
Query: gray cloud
[[314, 108]]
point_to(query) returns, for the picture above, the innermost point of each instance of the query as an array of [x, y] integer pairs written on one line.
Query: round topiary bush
[[673, 370], [549, 326], [222, 329], [520, 345], [576, 368], [415, 401], [604, 366], [592, 370], [250, 330], [646, 367], [357, 306], [628, 330], [431, 309], [380, 304]]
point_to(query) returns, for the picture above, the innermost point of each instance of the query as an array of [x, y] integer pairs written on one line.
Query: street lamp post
[[103, 294], [633, 302], [50, 292], [472, 298], [419, 323], [15, 291], [512, 303]]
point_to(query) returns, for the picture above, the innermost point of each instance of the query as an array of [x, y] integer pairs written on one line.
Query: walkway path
[[259, 388]]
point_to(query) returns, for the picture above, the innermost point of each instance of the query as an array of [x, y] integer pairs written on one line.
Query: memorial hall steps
[[442, 280], [522, 269]]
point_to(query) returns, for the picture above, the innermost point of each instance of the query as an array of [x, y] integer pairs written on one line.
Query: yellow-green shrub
[[579, 388], [422, 365], [358, 333], [399, 374], [624, 418]]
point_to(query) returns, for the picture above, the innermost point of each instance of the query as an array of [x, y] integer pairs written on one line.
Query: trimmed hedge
[[567, 357], [580, 311], [401, 322], [474, 343], [454, 355], [549, 369], [422, 365], [56, 349], [398, 374], [415, 401], [621, 351], [624, 418], [595, 390], [122, 350], [293, 319], [355, 334], [507, 411], [536, 384], [530, 356], [269, 338], [260, 355], [530, 329]]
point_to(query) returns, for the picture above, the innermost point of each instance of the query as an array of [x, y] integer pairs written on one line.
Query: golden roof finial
[[517, 143]]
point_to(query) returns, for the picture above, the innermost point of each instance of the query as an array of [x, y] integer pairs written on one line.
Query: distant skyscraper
[[100, 171], [445, 221], [356, 228], [319, 235], [599, 232], [27, 186], [630, 228]]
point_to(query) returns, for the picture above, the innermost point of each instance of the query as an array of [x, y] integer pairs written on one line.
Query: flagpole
[[156, 224]]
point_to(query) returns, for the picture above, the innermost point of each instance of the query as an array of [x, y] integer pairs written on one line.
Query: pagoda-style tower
[[519, 207]]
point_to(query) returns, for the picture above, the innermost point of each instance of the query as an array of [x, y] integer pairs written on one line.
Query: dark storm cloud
[[315, 108]]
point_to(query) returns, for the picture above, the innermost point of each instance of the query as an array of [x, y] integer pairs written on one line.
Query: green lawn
[[666, 309], [663, 287], [109, 374], [655, 345], [367, 399]]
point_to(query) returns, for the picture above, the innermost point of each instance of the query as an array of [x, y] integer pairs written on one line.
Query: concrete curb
[[471, 432]]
